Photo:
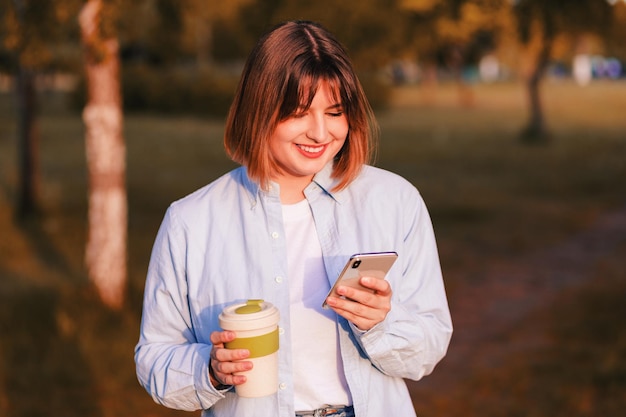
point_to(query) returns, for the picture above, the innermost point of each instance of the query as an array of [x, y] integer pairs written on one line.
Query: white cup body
[[262, 379]]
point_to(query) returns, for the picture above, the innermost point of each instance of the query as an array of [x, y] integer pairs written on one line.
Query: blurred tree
[[29, 31], [175, 32], [105, 254], [539, 23], [422, 33], [453, 34], [615, 41], [166, 35], [201, 18], [370, 29]]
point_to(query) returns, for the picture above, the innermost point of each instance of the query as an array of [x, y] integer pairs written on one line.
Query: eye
[[335, 111]]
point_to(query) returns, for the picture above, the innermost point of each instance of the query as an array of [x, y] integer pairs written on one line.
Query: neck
[[289, 198], [292, 189]]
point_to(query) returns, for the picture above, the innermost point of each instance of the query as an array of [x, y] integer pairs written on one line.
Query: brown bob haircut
[[282, 75]]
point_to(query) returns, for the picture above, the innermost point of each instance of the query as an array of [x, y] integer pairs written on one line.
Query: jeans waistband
[[327, 411]]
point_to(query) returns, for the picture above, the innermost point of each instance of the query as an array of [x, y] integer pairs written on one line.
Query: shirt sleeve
[[171, 365], [416, 333]]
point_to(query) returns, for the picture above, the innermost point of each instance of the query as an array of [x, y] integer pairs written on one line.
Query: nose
[[317, 129]]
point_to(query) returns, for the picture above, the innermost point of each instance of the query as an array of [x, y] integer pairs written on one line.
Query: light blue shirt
[[225, 243]]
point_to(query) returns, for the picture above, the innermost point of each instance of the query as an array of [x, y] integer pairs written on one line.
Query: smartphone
[[374, 264]]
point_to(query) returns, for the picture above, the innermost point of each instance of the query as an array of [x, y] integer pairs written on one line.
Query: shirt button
[[278, 279], [282, 385], [281, 331], [275, 235]]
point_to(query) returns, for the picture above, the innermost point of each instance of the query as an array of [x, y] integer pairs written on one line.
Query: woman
[[280, 228]]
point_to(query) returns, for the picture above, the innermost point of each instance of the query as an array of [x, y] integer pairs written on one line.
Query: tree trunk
[[105, 255], [28, 143], [536, 131]]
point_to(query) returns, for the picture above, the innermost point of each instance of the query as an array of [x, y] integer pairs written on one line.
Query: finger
[[363, 296], [352, 312], [222, 378], [380, 286], [225, 363], [232, 379], [360, 308], [228, 373], [229, 355], [219, 338]]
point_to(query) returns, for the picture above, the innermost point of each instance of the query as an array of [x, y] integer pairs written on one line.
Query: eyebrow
[[331, 107], [335, 106]]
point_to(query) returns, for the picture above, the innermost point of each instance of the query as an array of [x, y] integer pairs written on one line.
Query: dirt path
[[486, 313]]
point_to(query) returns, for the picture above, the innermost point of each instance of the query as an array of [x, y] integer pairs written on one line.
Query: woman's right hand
[[225, 362]]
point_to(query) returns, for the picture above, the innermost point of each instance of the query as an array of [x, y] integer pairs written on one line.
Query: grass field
[[492, 200]]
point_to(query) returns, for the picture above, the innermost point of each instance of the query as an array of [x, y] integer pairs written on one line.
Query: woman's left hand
[[363, 308]]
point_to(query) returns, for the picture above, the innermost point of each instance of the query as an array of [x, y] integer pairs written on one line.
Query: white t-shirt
[[317, 366]]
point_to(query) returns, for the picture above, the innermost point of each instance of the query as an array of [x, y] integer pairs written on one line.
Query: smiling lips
[[311, 151]]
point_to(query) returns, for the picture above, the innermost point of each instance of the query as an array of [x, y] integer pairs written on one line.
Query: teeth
[[311, 149]]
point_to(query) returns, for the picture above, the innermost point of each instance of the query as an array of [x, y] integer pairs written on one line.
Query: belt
[[328, 410]]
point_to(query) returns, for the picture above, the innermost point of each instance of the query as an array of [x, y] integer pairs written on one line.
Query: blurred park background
[[508, 115]]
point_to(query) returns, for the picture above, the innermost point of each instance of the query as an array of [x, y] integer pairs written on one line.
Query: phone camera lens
[[356, 263]]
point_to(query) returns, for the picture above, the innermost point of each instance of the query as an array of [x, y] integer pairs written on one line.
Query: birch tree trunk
[[105, 254]]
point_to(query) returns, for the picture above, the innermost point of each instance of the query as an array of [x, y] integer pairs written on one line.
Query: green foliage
[[371, 30], [551, 17], [455, 33], [31, 31], [166, 35], [171, 91]]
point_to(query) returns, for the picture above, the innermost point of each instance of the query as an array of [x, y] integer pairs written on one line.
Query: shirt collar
[[326, 182], [252, 187], [322, 179]]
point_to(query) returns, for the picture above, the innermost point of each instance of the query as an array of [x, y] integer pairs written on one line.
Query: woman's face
[[306, 141]]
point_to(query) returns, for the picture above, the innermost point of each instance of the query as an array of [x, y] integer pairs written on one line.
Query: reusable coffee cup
[[256, 324]]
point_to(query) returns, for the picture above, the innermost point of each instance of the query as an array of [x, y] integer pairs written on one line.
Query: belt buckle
[[324, 411], [327, 410]]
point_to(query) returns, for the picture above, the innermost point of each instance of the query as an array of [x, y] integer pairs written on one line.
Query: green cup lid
[[251, 307]]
